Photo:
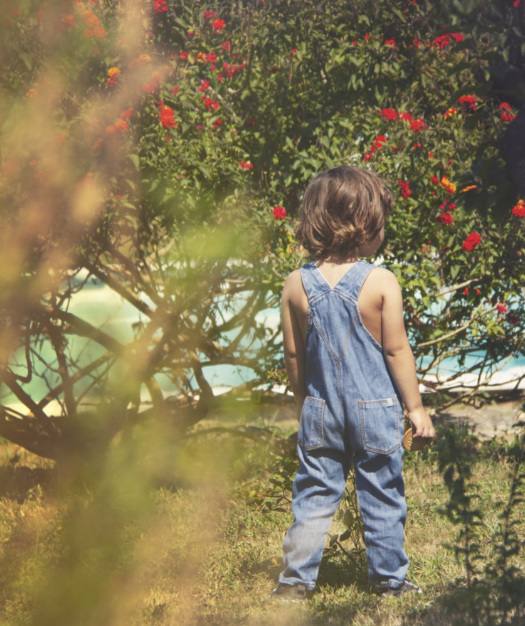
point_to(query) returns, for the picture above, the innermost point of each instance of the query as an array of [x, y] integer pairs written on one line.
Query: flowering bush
[[188, 143]]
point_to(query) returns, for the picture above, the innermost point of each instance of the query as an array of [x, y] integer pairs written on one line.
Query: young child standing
[[351, 370]]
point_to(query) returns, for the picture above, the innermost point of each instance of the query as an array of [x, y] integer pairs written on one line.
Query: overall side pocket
[[380, 425], [311, 434]]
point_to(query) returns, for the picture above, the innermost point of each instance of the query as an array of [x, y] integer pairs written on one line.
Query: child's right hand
[[421, 424]]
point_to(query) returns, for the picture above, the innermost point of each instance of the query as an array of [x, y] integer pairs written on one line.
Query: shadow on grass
[[19, 482]]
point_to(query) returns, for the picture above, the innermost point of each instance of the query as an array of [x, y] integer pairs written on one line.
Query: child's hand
[[421, 424]]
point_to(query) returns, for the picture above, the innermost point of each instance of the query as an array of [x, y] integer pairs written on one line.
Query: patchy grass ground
[[161, 535]]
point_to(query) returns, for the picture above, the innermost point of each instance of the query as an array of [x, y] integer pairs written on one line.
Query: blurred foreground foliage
[[162, 148]]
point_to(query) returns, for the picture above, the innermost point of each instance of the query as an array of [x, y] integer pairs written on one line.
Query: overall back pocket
[[310, 434], [380, 425]]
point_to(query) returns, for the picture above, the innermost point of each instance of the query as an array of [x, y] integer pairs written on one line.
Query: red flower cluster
[[471, 242], [183, 55], [218, 25], [444, 40], [96, 30], [211, 57], [445, 218], [209, 14], [166, 117], [205, 85], [113, 76], [418, 125], [226, 45], [378, 142], [404, 188], [210, 104], [470, 100], [230, 70], [501, 308], [389, 114], [506, 115], [279, 213], [391, 42], [160, 6], [519, 209], [246, 165], [125, 115]]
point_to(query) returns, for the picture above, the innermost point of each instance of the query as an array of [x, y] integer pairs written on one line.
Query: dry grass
[[162, 540]]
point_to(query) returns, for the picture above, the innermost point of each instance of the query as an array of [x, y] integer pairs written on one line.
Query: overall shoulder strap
[[313, 282], [352, 282]]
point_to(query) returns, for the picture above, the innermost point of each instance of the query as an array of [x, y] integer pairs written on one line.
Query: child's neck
[[338, 260]]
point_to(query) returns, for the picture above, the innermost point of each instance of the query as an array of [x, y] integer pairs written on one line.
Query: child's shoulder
[[383, 280], [293, 281]]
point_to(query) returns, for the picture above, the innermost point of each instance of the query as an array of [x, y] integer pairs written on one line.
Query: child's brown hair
[[343, 208]]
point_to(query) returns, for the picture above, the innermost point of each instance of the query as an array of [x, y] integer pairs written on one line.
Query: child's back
[[350, 367]]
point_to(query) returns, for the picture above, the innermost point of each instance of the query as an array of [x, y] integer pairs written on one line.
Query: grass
[[160, 534]]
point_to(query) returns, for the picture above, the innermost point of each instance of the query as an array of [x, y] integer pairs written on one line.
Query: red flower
[[444, 40], [217, 123], [378, 142], [418, 145], [367, 36], [404, 188], [418, 125], [219, 25], [430, 155], [209, 14], [175, 90], [470, 100], [506, 115], [435, 180], [416, 41], [519, 209], [446, 205], [211, 57], [210, 104], [516, 4], [390, 42], [388, 114], [294, 51], [246, 165], [183, 55], [501, 308], [367, 157], [125, 115], [226, 45], [445, 218], [160, 6], [465, 291], [405, 116], [166, 117], [471, 242], [279, 213], [205, 85]]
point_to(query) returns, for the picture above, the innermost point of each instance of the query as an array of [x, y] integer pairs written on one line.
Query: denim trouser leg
[[381, 497], [318, 488]]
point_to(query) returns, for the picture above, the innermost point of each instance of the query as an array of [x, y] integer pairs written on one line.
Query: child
[[351, 368]]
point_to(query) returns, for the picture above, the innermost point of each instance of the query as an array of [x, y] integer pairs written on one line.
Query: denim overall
[[352, 413]]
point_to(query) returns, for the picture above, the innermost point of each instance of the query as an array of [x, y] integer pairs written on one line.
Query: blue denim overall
[[352, 413]]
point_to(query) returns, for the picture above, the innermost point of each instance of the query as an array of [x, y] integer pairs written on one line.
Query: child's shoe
[[384, 589], [290, 593]]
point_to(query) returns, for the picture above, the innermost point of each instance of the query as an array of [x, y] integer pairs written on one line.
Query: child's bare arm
[[399, 356], [293, 343]]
